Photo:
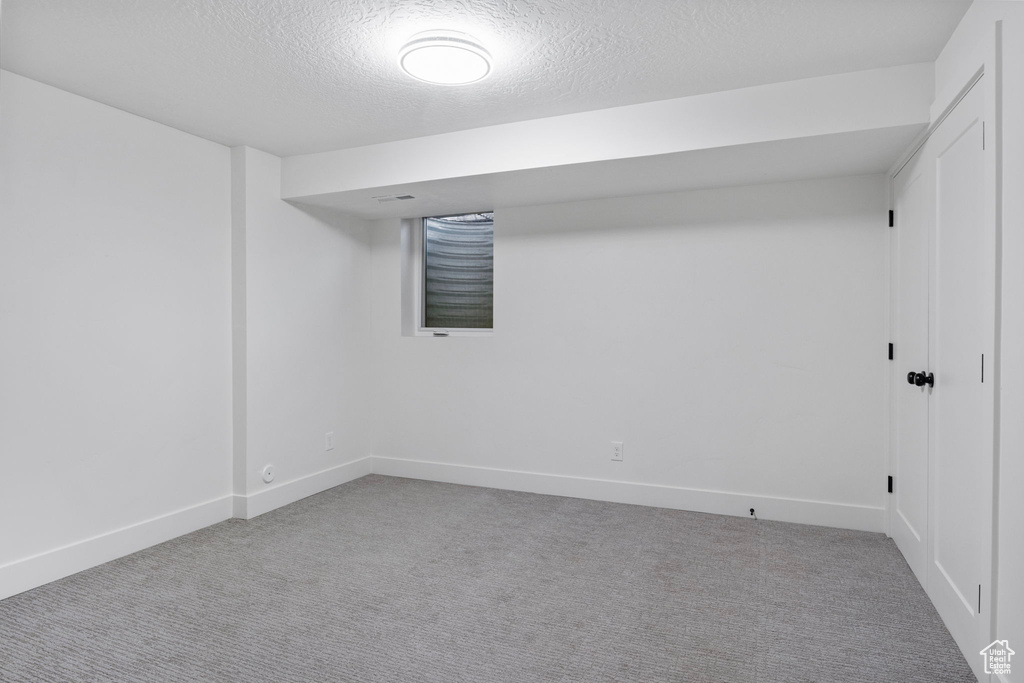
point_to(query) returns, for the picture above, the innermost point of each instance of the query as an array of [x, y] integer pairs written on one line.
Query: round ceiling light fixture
[[444, 58]]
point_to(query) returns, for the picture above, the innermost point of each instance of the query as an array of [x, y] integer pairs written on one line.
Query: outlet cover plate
[[617, 451]]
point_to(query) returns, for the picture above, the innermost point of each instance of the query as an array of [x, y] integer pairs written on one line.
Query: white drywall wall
[[115, 364], [306, 326], [732, 338]]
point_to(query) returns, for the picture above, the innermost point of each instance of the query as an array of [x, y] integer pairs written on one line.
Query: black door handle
[[919, 379]]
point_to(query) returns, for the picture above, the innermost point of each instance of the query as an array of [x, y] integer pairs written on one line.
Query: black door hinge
[[890, 350], [890, 484], [892, 218]]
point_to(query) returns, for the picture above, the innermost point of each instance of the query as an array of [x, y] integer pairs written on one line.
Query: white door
[[961, 331], [914, 189], [941, 514]]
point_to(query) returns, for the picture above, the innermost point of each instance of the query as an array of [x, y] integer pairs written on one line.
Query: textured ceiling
[[298, 76]]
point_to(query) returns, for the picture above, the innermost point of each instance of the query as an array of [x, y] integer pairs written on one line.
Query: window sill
[[450, 332]]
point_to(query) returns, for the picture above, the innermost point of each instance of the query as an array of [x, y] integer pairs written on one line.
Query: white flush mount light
[[445, 58]]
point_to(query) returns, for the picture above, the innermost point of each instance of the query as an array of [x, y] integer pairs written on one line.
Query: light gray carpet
[[398, 580]]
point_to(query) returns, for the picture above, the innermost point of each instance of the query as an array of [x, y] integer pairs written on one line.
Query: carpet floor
[[405, 581]]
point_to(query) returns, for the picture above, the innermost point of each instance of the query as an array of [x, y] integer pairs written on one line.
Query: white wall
[[125, 251], [114, 309], [733, 338], [306, 340]]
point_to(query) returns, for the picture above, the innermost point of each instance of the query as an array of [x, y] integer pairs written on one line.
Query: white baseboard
[[843, 516], [31, 572], [271, 498]]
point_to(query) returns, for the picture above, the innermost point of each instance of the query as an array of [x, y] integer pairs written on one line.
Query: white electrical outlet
[[617, 451], [329, 441]]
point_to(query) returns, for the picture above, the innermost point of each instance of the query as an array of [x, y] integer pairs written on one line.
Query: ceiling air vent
[[392, 198]]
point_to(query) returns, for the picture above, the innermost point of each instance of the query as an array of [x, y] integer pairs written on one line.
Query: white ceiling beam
[[844, 103]]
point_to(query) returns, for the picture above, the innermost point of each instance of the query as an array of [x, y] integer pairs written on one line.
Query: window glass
[[458, 271]]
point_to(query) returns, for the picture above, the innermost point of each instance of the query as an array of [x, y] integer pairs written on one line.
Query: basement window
[[457, 273]]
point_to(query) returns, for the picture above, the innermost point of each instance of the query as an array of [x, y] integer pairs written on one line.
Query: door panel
[[915, 206], [962, 290], [944, 257]]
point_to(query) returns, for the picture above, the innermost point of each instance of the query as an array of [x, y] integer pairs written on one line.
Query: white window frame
[[413, 286]]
